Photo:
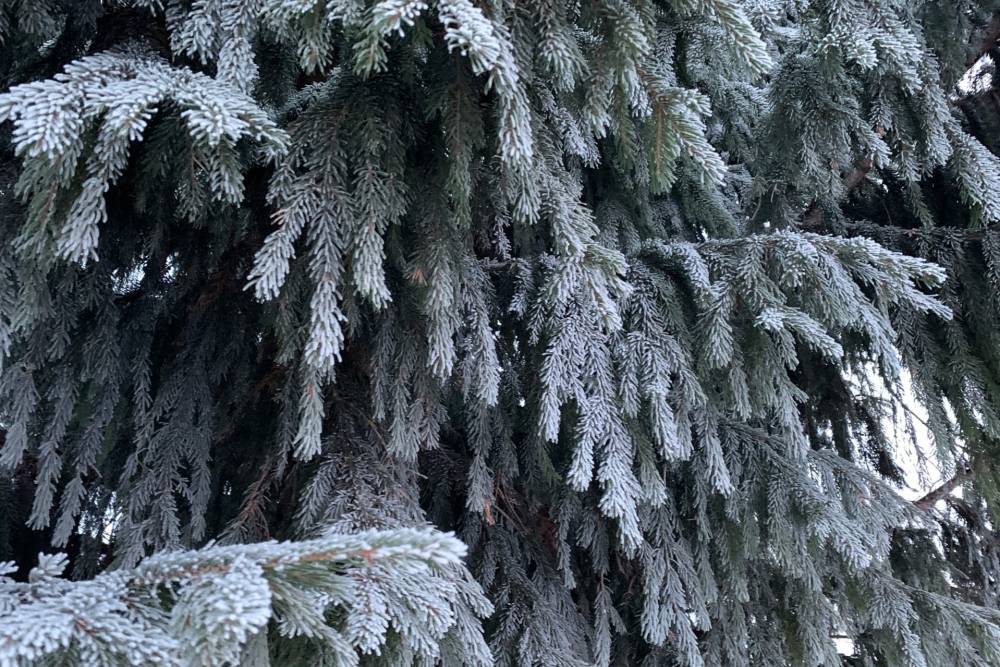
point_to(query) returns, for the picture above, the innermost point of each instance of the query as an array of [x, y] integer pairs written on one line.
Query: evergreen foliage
[[626, 294], [210, 606]]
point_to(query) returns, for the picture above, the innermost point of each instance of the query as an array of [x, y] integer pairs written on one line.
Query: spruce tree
[[486, 332]]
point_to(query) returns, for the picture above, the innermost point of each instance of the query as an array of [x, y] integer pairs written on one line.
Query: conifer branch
[[964, 235], [347, 577]]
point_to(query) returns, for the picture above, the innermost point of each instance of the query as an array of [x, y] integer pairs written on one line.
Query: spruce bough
[[346, 332]]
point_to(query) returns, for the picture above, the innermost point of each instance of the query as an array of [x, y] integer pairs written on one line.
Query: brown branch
[[928, 500], [367, 554]]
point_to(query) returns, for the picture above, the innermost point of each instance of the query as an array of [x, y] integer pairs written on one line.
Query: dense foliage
[[626, 294]]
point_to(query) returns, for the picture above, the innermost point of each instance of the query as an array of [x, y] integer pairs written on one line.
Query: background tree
[[625, 293]]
